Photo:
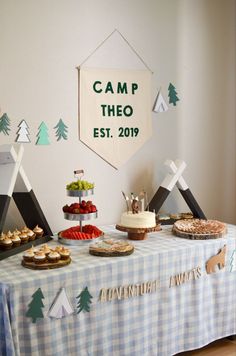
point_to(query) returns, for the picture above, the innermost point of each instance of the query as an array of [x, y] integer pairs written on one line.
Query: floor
[[223, 347]]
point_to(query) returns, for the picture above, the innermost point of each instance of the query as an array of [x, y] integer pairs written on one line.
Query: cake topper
[[135, 204]]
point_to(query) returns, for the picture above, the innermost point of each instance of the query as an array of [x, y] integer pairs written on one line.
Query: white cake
[[144, 219]]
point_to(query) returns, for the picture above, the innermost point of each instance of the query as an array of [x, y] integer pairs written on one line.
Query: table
[[163, 323]]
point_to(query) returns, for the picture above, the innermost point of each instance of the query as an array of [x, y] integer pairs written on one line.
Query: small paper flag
[[160, 104], [35, 306], [23, 133], [61, 306], [42, 135]]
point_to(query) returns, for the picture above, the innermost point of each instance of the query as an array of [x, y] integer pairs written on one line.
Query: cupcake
[[31, 235], [6, 243], [2, 236], [38, 231], [45, 249], [16, 240], [16, 232], [9, 234], [28, 255], [64, 253], [24, 237], [39, 257], [24, 229], [54, 256]]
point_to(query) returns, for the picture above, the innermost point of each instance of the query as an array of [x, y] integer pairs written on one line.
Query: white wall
[[189, 43]]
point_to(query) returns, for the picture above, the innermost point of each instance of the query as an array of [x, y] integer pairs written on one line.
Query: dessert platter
[[199, 229], [81, 210], [111, 248], [46, 258], [18, 240], [137, 223]]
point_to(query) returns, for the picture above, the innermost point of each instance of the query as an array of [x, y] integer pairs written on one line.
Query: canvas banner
[[114, 111]]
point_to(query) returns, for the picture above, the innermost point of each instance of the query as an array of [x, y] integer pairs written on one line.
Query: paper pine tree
[[61, 130], [61, 306], [232, 261], [35, 307], [42, 135], [160, 104], [84, 301], [172, 94], [23, 133], [5, 124]]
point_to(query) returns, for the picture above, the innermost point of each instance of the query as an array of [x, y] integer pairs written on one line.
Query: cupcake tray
[[22, 247], [46, 265]]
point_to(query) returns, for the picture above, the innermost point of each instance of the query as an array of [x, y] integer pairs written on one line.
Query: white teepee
[[160, 104], [61, 306]]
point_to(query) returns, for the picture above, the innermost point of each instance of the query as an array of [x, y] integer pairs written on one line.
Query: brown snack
[[53, 256], [6, 243], [39, 257]]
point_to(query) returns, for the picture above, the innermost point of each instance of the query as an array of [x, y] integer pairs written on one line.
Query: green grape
[[80, 185]]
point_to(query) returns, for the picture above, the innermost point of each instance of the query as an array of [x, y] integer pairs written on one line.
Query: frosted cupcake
[[24, 229], [39, 257], [38, 231], [9, 234], [29, 255], [2, 236], [31, 235], [16, 240], [16, 232], [45, 249], [54, 256], [24, 237], [64, 253], [6, 243]]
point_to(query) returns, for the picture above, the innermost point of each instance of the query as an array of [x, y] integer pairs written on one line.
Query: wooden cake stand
[[138, 233]]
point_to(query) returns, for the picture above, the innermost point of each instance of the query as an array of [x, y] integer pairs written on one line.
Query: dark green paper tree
[[84, 301], [5, 124], [173, 98], [61, 130], [35, 306]]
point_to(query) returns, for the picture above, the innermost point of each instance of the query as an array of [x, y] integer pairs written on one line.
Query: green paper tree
[[35, 307], [61, 130], [5, 124], [84, 301], [173, 98], [42, 135]]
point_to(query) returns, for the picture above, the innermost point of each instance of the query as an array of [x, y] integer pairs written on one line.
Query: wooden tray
[[193, 236], [46, 265], [22, 247], [111, 253], [138, 233]]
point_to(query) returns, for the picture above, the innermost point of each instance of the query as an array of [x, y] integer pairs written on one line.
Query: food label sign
[[115, 111]]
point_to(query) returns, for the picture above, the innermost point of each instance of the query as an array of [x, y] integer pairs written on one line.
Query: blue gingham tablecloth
[[161, 323]]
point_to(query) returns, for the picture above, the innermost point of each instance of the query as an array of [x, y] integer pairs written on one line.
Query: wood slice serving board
[[46, 265], [193, 236], [138, 233], [110, 253]]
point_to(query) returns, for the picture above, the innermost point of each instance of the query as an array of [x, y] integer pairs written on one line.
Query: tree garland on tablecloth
[[61, 306]]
